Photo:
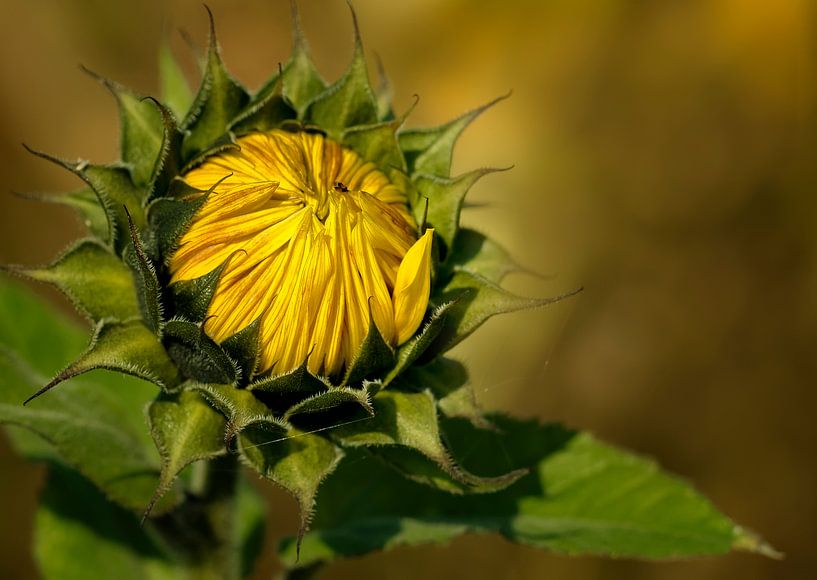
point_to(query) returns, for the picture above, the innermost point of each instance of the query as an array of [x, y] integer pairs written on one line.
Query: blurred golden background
[[664, 158]]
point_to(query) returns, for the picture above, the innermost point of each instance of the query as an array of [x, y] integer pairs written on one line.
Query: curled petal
[[412, 287]]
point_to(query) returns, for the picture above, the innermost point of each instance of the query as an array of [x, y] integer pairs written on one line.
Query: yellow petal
[[412, 287], [315, 242]]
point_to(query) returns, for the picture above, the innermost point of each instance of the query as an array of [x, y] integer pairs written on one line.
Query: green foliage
[[299, 383], [298, 462], [404, 431], [330, 400], [301, 81], [249, 533], [476, 253], [383, 93], [242, 410], [116, 193], [192, 297], [447, 380], [582, 497], [219, 100], [87, 205], [168, 163], [267, 110], [415, 348], [129, 348], [420, 448], [173, 87], [112, 544], [97, 282], [196, 354], [244, 348], [140, 131], [148, 290], [113, 183], [91, 213], [96, 426], [87, 419], [429, 151], [476, 299], [373, 357], [377, 143], [185, 429], [169, 219], [445, 198], [347, 103], [71, 546]]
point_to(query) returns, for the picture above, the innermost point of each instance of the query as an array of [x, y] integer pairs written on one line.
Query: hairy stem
[[202, 531], [219, 495]]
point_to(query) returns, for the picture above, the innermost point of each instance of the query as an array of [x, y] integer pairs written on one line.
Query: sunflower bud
[[312, 241], [288, 267]]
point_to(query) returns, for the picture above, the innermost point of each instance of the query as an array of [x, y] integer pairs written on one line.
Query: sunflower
[[288, 267], [313, 241]]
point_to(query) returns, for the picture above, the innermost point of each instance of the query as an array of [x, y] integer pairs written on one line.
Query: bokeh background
[[664, 159]]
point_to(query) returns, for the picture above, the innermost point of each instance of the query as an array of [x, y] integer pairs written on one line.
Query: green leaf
[[383, 93], [301, 80], [168, 163], [241, 409], [225, 144], [87, 204], [114, 183], [148, 290], [329, 401], [266, 111], [243, 347], [377, 143], [116, 192], [25, 320], [415, 348], [280, 392], [405, 426], [169, 219], [185, 429], [78, 532], [480, 255], [372, 357], [196, 354], [447, 380], [192, 297], [478, 299], [90, 428], [348, 102], [173, 87], [430, 150], [30, 445], [445, 198], [128, 348], [140, 130], [97, 282], [219, 100], [141, 135], [94, 423], [298, 463], [583, 497]]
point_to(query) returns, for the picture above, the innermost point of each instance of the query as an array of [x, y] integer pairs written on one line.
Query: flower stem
[[202, 531], [219, 492]]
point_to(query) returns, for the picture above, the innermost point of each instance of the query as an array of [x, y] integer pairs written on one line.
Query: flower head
[[264, 259], [315, 241]]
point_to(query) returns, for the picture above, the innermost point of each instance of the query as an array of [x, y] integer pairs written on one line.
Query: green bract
[[406, 408]]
